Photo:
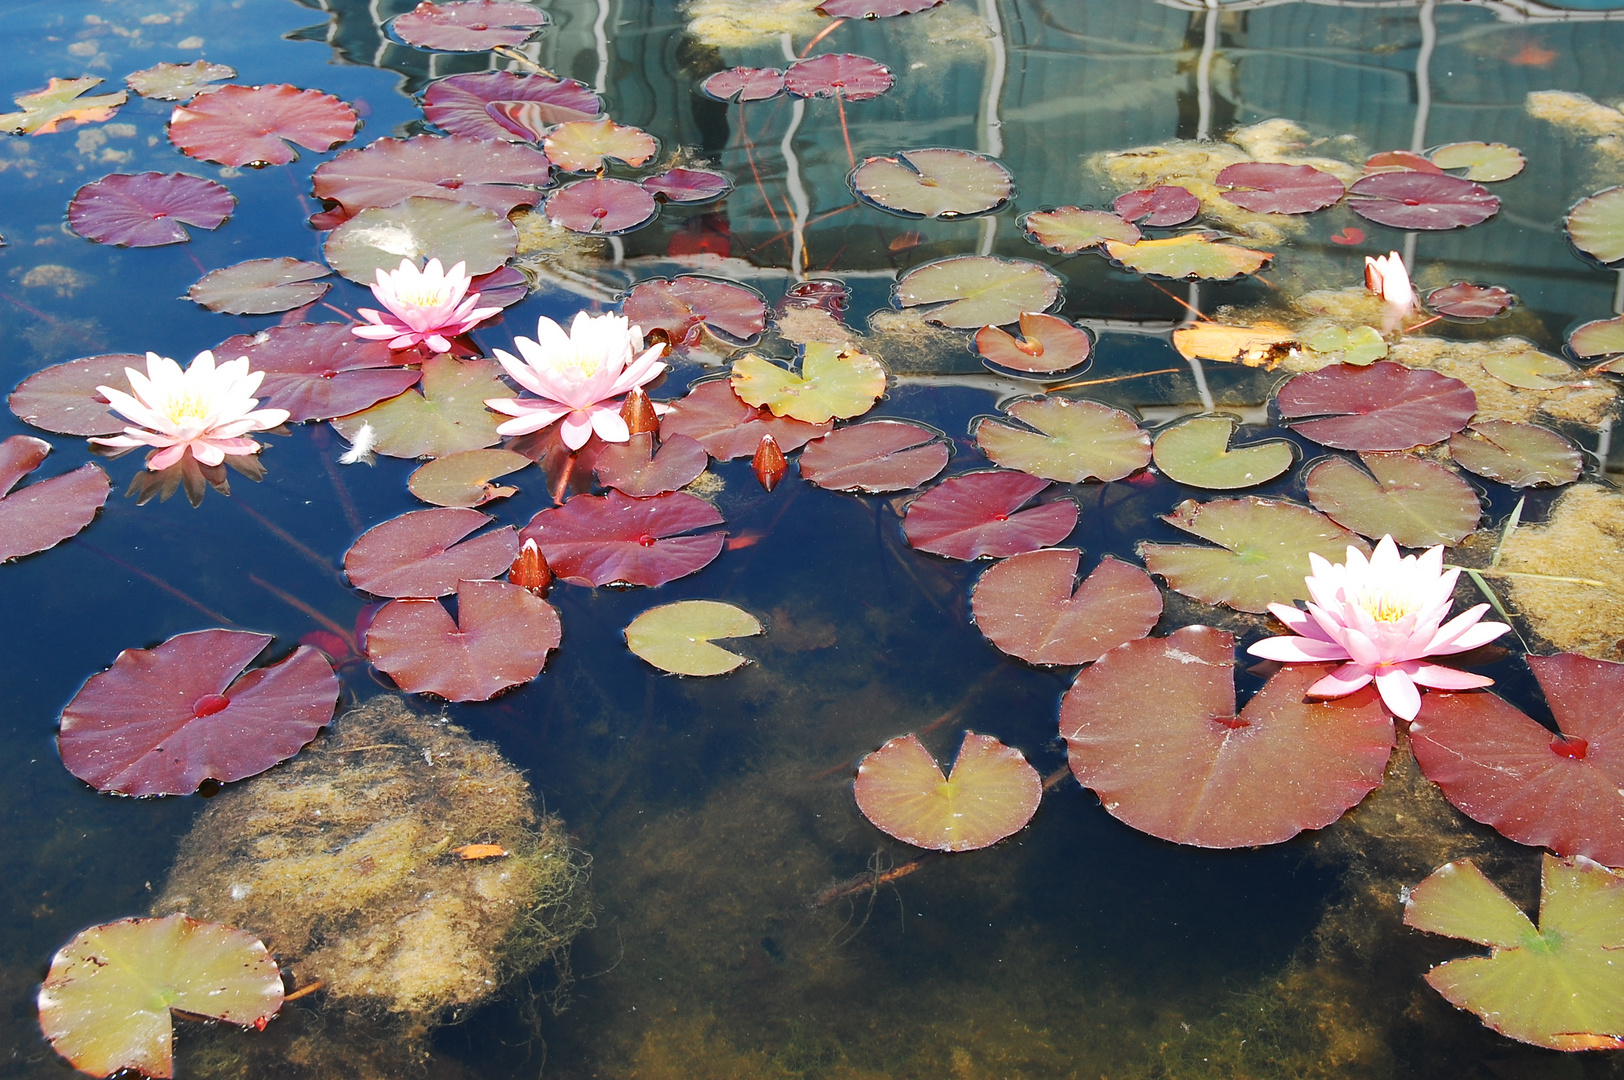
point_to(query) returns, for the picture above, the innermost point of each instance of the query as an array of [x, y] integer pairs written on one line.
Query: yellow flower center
[[581, 366], [187, 408], [420, 294], [1386, 606]]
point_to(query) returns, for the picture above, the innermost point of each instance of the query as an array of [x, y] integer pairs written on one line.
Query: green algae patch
[[345, 864], [1566, 577]]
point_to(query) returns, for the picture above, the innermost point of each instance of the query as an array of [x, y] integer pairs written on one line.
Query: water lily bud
[[530, 570], [638, 412], [769, 463]]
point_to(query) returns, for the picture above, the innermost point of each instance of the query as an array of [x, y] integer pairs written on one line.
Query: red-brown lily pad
[[1417, 502], [255, 125], [46, 513], [1070, 229], [147, 209], [1521, 455], [260, 286], [1559, 791], [161, 721], [423, 553], [635, 467], [872, 9], [991, 793], [602, 206], [1048, 345], [1418, 200], [63, 397], [1151, 728], [681, 307], [688, 186], [934, 183], [846, 75], [977, 515], [743, 84], [468, 25], [506, 105], [614, 539], [317, 371], [1384, 406], [500, 639], [712, 415], [1162, 206], [876, 456], [1470, 303], [496, 175], [1272, 188], [1026, 605]]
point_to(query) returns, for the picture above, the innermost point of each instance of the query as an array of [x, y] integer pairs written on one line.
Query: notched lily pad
[[682, 307], [1601, 337], [1159, 207], [500, 639], [1417, 502], [178, 82], [1197, 452], [743, 84], [468, 25], [845, 75], [507, 106], [447, 416], [991, 793], [61, 102], [1359, 345], [1484, 162], [319, 370], [712, 415], [876, 456], [934, 183], [1026, 605], [48, 512], [420, 228], [260, 286], [148, 209], [1272, 188], [426, 553], [978, 290], [259, 125], [602, 206], [1418, 200], [1070, 229], [499, 176], [678, 637], [1385, 406], [635, 467], [1048, 346], [833, 383], [1467, 302], [614, 539], [584, 145], [977, 515], [1520, 455], [464, 479], [1073, 440]]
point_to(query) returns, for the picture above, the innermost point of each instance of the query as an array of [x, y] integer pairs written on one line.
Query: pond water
[[717, 811]]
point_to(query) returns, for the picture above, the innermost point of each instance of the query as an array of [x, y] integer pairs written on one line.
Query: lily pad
[[447, 416], [681, 307], [833, 383], [1484, 162], [105, 1004], [147, 209], [468, 25], [1466, 301], [1051, 346], [1070, 229], [1359, 345], [1385, 406], [1158, 207], [1027, 607], [1601, 337], [1417, 502], [1529, 369], [63, 398], [1263, 345], [161, 721], [1263, 553], [872, 9], [317, 371], [1558, 986], [496, 175], [677, 637], [688, 186], [712, 415], [1197, 452], [506, 105], [178, 82], [1519, 455], [424, 553], [378, 238], [261, 286], [46, 513], [992, 793], [464, 479], [743, 84], [977, 515], [1400, 161], [1596, 225], [500, 639], [1074, 440], [934, 183], [614, 539], [1271, 188], [61, 102], [256, 125], [602, 206], [978, 290], [846, 75], [1188, 257], [876, 456], [1417, 200], [584, 145], [1151, 729], [635, 468]]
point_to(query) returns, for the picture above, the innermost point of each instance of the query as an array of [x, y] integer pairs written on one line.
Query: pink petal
[[576, 429], [607, 422], [166, 457], [1297, 650], [1447, 678], [1342, 682], [1299, 621], [1398, 692]]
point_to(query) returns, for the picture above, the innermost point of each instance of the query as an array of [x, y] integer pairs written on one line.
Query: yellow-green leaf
[[45, 111], [1187, 256], [833, 383], [677, 637]]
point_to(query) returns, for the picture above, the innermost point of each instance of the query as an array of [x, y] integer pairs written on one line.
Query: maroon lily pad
[[1151, 728], [1400, 161], [1384, 406], [1027, 607], [1159, 207], [1560, 791], [43, 515], [1463, 300], [727, 427], [468, 25], [873, 9], [498, 176], [253, 125], [847, 75], [976, 515], [318, 371], [1265, 187], [502, 287], [744, 84], [614, 539], [679, 307], [635, 468], [500, 639], [1048, 345], [602, 205], [876, 456], [63, 397], [147, 209], [422, 553], [688, 185], [507, 106], [161, 721], [825, 295], [1418, 200]]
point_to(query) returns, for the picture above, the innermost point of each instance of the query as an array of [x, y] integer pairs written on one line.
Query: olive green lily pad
[[1596, 225], [1073, 441], [1520, 455], [1417, 502], [260, 286], [1197, 452], [1263, 556], [464, 478], [448, 416], [178, 82], [978, 290], [934, 183], [1530, 370], [1484, 162], [992, 792], [105, 1006], [1559, 986], [1070, 229], [677, 637], [418, 229], [1601, 337], [833, 382], [1188, 256], [1360, 346]]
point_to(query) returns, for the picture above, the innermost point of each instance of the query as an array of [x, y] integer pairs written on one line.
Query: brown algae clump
[[1582, 538], [345, 862]]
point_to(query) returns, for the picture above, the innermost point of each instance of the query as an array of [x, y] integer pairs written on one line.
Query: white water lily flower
[[205, 409], [1386, 276]]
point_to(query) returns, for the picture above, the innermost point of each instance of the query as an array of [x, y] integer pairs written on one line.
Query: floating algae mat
[[371, 863]]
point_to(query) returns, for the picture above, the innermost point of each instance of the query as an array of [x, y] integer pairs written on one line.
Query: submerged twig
[[870, 880]]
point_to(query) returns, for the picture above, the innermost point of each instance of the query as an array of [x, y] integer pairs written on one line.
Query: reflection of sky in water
[[715, 810]]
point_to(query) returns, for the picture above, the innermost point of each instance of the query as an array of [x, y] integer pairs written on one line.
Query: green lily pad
[[448, 416], [1074, 440], [463, 478], [1188, 256], [978, 290], [1484, 162], [1263, 556], [1601, 337], [105, 1006], [1520, 455], [1197, 452], [934, 183], [991, 793], [1417, 502], [1559, 986], [1070, 229], [1360, 346], [1596, 225], [677, 637], [833, 382], [583, 145], [260, 286], [420, 228], [178, 82], [1530, 370]]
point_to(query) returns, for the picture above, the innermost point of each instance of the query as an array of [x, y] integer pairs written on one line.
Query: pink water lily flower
[[431, 305], [1386, 276], [577, 378], [1384, 616], [205, 410]]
